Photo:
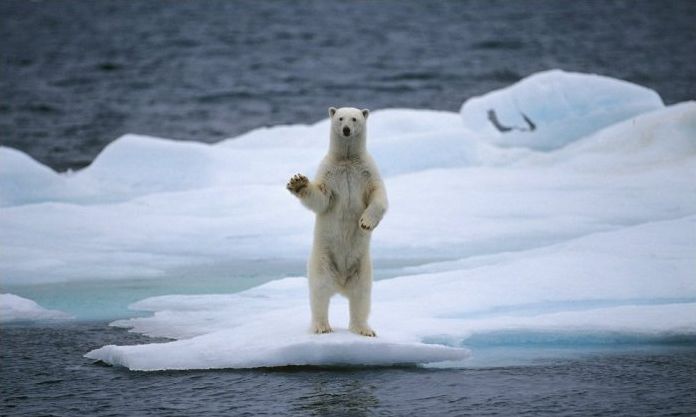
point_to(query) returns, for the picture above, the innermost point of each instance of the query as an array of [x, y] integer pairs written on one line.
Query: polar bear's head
[[348, 122]]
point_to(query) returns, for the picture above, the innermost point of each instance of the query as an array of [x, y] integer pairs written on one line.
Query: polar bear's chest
[[348, 184]]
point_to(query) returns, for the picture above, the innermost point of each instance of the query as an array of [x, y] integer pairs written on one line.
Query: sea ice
[[14, 308], [586, 224], [603, 282], [553, 108], [496, 198]]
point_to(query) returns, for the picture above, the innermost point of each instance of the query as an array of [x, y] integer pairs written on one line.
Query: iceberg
[[14, 308], [583, 227], [553, 108]]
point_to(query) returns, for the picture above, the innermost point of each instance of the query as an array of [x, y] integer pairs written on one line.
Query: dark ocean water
[[75, 75], [42, 373]]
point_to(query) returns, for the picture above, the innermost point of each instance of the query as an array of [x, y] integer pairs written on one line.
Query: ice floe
[[14, 308], [571, 209]]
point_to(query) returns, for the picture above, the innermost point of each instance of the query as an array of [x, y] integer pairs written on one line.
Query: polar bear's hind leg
[[320, 296], [359, 294]]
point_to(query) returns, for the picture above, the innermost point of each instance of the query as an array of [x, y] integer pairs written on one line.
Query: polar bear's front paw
[[363, 330], [367, 222], [297, 184], [320, 328]]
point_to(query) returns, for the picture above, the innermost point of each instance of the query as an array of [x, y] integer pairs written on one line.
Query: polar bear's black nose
[[346, 131]]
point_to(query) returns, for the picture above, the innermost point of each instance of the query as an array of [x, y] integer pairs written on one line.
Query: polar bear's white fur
[[349, 200]]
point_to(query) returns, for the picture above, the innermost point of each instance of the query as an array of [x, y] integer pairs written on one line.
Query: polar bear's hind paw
[[363, 331], [321, 328]]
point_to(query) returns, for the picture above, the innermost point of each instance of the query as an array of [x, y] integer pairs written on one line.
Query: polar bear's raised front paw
[[367, 222], [297, 183], [363, 330], [320, 328]]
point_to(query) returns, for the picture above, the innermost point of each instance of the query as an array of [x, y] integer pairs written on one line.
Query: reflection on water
[[335, 397]]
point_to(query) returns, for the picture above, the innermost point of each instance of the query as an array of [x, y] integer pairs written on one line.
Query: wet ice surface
[[110, 299], [41, 375]]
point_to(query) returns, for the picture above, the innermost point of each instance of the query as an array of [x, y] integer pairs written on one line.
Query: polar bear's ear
[[332, 111], [365, 113]]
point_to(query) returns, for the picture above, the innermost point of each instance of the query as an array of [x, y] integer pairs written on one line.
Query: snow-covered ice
[[14, 308], [553, 108], [263, 327], [603, 282], [585, 225]]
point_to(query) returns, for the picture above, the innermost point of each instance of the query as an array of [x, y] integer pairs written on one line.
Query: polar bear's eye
[[354, 119], [340, 119]]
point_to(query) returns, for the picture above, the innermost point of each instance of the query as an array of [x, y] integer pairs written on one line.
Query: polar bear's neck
[[342, 148]]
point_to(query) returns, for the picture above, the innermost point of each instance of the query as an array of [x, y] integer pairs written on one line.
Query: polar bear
[[349, 200]]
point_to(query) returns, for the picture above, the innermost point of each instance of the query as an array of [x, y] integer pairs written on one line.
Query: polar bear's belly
[[340, 236]]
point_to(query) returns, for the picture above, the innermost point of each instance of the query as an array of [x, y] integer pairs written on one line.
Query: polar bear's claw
[[366, 223], [297, 183], [322, 328], [363, 331]]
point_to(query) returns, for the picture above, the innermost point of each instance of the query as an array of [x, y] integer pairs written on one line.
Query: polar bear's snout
[[346, 131]]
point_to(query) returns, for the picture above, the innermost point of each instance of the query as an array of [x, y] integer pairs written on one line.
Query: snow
[[585, 226], [14, 308]]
